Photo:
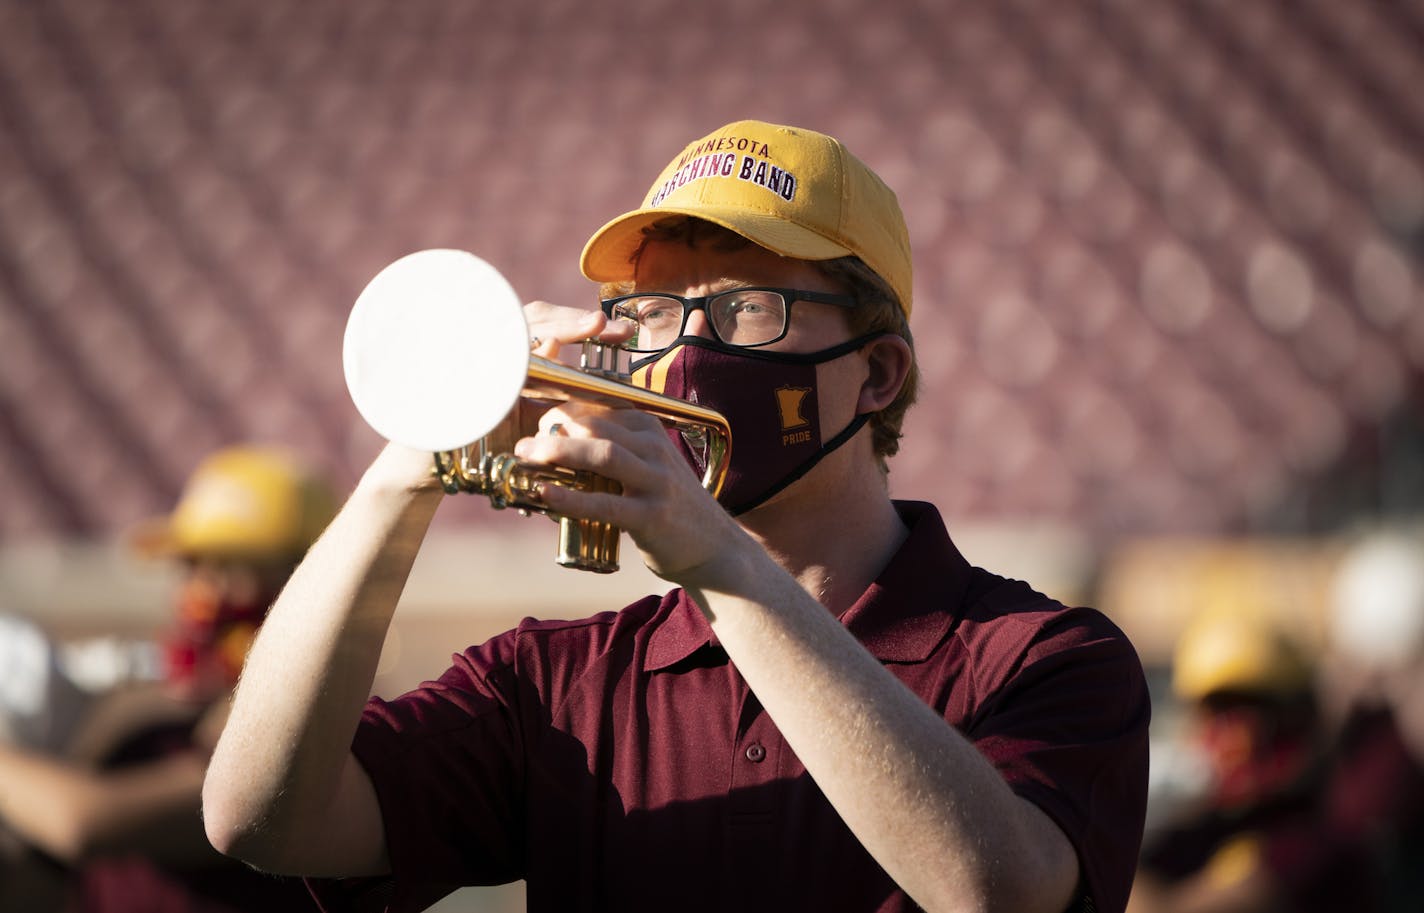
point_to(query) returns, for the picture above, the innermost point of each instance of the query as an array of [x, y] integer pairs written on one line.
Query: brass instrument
[[437, 358]]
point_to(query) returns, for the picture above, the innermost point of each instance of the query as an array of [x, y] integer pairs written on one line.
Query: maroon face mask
[[768, 398], [206, 646]]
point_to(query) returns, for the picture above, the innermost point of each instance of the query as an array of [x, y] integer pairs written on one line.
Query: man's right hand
[[554, 326]]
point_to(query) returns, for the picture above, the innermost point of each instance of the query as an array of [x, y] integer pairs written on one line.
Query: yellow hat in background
[[795, 192], [1232, 652], [243, 502]]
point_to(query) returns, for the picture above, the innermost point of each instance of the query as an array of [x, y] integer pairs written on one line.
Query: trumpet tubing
[[428, 362]]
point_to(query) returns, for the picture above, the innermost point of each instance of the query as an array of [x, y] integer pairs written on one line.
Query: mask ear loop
[[810, 463]]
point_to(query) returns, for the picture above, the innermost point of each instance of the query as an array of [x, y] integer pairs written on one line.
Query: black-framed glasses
[[745, 317]]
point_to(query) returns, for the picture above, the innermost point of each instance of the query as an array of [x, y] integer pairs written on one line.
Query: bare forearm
[[72, 813], [921, 799], [41, 801], [281, 759]]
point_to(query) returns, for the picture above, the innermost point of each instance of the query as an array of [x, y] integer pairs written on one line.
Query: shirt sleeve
[[444, 761], [1065, 723]]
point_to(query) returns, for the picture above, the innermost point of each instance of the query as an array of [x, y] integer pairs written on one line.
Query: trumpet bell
[[437, 358], [432, 327]]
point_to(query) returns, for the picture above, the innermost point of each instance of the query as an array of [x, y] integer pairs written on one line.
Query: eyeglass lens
[[744, 317]]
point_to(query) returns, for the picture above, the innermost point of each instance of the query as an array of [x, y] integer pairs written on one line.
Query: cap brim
[[608, 255]]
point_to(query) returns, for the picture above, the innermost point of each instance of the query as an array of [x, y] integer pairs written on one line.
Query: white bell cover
[[436, 350]]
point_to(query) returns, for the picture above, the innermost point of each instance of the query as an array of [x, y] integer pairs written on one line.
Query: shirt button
[[755, 753]]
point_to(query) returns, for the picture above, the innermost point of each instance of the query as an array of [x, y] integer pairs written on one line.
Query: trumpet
[[437, 357]]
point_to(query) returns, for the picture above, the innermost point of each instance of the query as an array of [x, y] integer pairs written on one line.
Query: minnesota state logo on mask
[[788, 401]]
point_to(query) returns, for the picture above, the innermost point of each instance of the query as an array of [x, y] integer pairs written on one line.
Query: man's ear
[[888, 358]]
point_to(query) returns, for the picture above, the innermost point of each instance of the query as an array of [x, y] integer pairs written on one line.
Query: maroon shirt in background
[[621, 763], [1376, 786]]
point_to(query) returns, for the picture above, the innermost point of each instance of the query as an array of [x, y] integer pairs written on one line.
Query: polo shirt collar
[[682, 631], [901, 617]]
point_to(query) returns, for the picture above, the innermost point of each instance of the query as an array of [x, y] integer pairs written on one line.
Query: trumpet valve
[[603, 361]]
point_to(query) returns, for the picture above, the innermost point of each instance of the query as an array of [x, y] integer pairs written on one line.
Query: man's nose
[[698, 325]]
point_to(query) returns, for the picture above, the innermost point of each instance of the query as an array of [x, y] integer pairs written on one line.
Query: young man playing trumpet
[[833, 710]]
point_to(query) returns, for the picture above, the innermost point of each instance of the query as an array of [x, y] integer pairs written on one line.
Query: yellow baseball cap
[[1232, 652], [243, 502], [795, 192]]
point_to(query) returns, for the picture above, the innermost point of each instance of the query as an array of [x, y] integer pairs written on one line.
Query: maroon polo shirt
[[621, 763]]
